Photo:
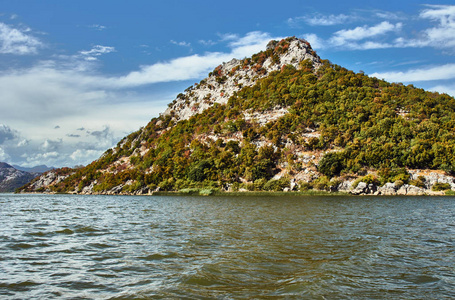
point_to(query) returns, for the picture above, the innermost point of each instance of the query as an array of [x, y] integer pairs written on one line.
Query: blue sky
[[77, 76]]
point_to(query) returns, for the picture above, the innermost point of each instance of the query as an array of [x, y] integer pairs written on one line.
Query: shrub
[[399, 183], [441, 186], [322, 183], [419, 182], [277, 185], [259, 184], [304, 186], [368, 179], [331, 164]]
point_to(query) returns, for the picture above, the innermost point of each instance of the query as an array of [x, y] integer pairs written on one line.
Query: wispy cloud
[[320, 20], [391, 35], [182, 43], [207, 42], [349, 37], [98, 27], [17, 41], [193, 66], [442, 72], [363, 32], [449, 90], [443, 35], [96, 51]]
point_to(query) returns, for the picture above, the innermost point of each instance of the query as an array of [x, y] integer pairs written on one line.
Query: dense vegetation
[[364, 124]]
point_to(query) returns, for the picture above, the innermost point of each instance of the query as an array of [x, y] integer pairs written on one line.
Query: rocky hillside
[[229, 78], [281, 120], [11, 178]]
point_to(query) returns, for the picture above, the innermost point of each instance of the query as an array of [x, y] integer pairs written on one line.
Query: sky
[[77, 76]]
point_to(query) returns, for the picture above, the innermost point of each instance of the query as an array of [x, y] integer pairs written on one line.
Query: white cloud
[[207, 42], [3, 156], [360, 38], [228, 37], [6, 133], [49, 145], [35, 159], [449, 90], [16, 41], [251, 43], [98, 27], [96, 51], [442, 36], [347, 36], [315, 41], [443, 72], [183, 43], [85, 155], [388, 15], [443, 13], [321, 20]]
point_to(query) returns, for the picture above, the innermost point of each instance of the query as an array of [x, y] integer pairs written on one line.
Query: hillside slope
[[11, 178], [282, 120]]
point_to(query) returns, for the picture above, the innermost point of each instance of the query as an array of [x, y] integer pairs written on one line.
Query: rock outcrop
[[232, 76]]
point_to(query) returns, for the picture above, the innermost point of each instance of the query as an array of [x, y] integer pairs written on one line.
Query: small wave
[[419, 279], [20, 246], [85, 229], [19, 286], [200, 280], [100, 245], [159, 256], [65, 231], [38, 233], [82, 285], [433, 241]]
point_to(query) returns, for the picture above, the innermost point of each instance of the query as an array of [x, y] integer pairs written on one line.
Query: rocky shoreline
[[431, 183]]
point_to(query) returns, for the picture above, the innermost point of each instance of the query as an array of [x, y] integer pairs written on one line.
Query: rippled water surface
[[115, 247]]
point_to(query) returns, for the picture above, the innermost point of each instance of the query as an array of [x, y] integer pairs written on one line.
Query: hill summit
[[282, 119]]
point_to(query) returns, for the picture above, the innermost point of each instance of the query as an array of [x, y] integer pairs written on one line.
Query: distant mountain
[[11, 178], [281, 120], [36, 169]]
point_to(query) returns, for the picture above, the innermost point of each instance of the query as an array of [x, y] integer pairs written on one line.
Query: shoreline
[[203, 193]]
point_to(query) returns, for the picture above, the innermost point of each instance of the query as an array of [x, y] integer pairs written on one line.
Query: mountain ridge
[[35, 169], [281, 120], [12, 178]]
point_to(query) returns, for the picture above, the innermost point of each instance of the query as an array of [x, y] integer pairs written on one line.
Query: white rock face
[[218, 89], [45, 180], [434, 177]]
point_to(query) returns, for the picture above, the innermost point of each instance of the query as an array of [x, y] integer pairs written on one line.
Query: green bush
[[321, 183], [277, 185], [368, 179], [440, 186], [419, 182], [305, 186], [331, 164]]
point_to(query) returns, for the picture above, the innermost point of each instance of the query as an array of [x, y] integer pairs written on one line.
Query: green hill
[[305, 124]]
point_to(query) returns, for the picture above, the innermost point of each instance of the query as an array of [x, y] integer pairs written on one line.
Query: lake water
[[116, 247]]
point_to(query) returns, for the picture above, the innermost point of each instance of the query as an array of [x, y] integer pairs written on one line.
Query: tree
[[331, 164]]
